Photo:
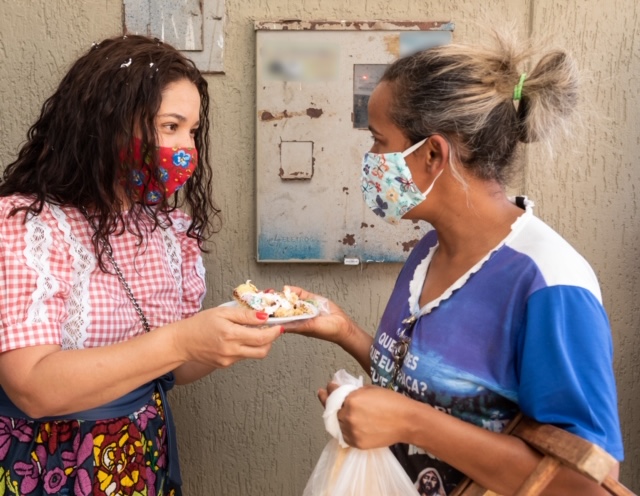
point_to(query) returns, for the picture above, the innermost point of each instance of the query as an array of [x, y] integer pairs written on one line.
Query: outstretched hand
[[222, 336], [331, 324]]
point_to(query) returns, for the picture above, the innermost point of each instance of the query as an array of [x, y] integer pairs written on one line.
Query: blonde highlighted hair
[[466, 93]]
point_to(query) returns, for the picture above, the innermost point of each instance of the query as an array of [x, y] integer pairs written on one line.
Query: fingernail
[[262, 315], [281, 329]]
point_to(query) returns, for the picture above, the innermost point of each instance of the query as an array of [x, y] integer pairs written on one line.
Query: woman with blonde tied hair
[[493, 313]]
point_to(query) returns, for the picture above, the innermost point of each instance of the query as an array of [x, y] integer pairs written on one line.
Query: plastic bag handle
[[348, 384]]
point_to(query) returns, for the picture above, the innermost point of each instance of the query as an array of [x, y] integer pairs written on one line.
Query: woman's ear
[[436, 153]]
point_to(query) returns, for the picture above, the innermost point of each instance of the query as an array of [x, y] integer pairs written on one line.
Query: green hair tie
[[517, 90]]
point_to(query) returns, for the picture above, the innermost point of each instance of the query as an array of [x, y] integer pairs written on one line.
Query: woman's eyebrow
[[179, 117], [175, 116]]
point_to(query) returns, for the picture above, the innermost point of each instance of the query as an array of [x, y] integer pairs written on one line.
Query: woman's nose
[[186, 140]]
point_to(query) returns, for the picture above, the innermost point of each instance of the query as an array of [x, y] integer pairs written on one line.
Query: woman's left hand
[[371, 416]]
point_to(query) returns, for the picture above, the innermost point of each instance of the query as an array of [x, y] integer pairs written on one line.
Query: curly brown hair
[[73, 155]]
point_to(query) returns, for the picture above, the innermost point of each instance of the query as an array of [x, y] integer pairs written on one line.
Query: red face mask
[[171, 170]]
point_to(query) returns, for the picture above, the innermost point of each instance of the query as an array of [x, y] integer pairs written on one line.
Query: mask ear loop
[[413, 148], [433, 183], [454, 170], [418, 145]]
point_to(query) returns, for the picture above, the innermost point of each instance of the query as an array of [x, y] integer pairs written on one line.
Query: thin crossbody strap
[[123, 281], [126, 287]]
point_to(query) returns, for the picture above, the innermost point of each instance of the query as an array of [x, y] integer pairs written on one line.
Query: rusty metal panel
[[375, 25], [193, 26], [313, 81]]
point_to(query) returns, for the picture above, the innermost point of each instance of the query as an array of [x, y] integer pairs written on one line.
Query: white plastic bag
[[345, 471]]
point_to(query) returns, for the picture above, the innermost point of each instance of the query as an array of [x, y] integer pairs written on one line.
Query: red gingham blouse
[[53, 292]]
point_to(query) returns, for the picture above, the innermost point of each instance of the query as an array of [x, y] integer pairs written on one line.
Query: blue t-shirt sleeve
[[565, 367]]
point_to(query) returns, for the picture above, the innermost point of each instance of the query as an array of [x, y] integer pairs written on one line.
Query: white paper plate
[[282, 320]]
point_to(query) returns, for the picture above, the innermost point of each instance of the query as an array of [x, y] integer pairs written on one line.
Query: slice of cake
[[274, 303]]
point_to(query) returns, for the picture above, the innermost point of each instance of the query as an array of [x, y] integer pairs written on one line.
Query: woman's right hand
[[221, 336], [331, 324]]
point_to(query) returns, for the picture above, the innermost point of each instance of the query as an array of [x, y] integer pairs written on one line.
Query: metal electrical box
[[313, 85]]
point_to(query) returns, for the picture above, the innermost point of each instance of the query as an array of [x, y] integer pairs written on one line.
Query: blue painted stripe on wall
[[290, 248]]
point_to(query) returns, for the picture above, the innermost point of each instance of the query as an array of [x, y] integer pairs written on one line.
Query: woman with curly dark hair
[[101, 276]]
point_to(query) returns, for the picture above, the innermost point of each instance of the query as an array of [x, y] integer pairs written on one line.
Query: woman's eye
[[171, 127]]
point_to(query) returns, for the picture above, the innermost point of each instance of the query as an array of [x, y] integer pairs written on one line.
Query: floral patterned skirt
[[121, 456]]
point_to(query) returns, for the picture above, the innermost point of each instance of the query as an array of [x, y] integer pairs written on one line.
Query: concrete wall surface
[[256, 427]]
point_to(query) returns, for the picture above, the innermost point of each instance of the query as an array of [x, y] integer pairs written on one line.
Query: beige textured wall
[[256, 427]]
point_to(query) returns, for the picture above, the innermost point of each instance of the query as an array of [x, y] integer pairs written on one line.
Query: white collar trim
[[420, 273]]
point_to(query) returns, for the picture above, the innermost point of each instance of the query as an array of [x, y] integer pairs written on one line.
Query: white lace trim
[[202, 272], [174, 258], [420, 273], [174, 255], [74, 329], [38, 241]]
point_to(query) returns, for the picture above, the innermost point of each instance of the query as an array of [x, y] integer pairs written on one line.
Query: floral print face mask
[[387, 185], [171, 170]]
